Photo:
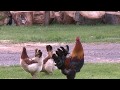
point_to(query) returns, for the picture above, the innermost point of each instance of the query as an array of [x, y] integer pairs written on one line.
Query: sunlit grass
[[89, 71], [61, 33]]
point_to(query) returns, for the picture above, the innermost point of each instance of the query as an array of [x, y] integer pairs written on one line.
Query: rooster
[[48, 62], [33, 65], [70, 65]]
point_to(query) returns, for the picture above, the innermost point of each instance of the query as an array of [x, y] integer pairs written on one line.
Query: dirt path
[[94, 53]]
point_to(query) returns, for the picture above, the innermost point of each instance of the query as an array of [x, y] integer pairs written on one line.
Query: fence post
[[47, 17], [77, 17]]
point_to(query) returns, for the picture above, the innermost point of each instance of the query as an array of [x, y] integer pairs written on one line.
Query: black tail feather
[[55, 58], [65, 51], [58, 60], [60, 56], [59, 52]]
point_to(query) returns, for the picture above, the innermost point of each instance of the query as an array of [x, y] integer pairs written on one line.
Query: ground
[[94, 52]]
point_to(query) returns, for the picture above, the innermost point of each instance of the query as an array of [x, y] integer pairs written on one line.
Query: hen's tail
[[50, 53], [24, 53], [49, 48]]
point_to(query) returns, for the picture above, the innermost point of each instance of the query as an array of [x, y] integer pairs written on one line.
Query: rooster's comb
[[24, 48], [78, 38]]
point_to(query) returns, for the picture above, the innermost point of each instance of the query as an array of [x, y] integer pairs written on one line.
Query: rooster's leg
[[70, 73]]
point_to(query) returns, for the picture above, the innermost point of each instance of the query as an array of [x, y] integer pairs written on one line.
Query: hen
[[70, 65], [33, 65], [48, 62]]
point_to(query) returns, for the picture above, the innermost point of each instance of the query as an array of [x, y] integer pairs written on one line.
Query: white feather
[[35, 67], [50, 66]]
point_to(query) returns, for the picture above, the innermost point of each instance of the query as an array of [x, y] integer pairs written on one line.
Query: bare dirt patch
[[94, 52]]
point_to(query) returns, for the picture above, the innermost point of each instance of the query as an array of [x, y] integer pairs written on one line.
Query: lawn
[[89, 71], [61, 33]]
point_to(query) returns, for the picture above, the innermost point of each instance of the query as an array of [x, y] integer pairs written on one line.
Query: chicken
[[70, 65], [31, 65], [49, 64]]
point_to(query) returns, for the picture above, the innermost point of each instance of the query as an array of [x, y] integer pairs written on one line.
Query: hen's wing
[[27, 61]]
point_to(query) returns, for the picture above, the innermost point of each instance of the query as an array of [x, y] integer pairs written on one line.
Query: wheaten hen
[[49, 64], [31, 65]]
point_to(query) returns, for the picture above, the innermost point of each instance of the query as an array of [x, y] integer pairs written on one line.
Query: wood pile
[[62, 17]]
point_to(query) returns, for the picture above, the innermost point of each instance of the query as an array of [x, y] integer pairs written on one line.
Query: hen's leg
[[34, 76]]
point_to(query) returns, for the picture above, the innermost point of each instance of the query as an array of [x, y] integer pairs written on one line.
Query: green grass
[[61, 33], [89, 71]]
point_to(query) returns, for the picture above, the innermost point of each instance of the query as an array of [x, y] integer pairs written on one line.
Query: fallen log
[[89, 17], [22, 17], [112, 18], [95, 17], [65, 17], [92, 14], [5, 17]]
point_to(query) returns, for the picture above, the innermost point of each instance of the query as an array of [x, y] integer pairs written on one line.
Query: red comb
[[77, 38]]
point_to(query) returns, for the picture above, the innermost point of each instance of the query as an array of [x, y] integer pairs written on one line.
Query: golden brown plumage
[[72, 64], [78, 50], [77, 53]]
